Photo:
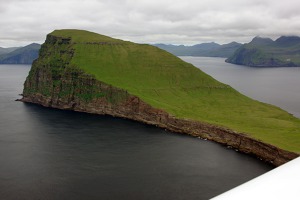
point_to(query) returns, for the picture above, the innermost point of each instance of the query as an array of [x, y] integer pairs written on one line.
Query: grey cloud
[[150, 21]]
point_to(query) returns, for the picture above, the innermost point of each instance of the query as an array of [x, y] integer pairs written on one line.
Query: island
[[264, 52], [19, 55], [87, 72]]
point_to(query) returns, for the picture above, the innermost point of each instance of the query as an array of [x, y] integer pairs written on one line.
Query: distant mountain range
[[19, 55], [264, 52], [205, 49], [7, 50], [260, 52]]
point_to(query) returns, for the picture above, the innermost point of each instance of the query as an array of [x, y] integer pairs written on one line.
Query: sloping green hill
[[23, 55], [264, 52], [166, 82]]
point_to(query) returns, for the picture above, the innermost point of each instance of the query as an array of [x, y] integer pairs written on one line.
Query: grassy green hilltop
[[164, 81]]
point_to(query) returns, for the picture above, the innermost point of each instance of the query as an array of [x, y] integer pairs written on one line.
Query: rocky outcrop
[[54, 82], [117, 102]]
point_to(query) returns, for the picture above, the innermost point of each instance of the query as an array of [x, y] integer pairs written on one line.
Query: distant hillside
[[23, 55], [264, 52], [7, 50], [205, 49]]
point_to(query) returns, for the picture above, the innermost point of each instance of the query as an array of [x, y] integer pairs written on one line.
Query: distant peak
[[207, 44], [34, 44], [233, 43], [261, 40], [288, 40]]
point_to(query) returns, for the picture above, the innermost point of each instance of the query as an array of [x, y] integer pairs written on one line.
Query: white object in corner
[[281, 183]]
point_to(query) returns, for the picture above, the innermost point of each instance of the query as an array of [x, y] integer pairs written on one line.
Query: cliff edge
[[87, 72]]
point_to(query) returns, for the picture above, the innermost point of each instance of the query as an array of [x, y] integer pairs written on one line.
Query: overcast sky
[[150, 21]]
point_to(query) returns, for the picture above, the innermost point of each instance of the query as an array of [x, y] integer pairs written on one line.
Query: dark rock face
[[54, 82], [264, 52]]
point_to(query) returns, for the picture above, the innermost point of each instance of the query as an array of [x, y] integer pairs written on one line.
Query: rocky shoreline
[[135, 109], [55, 82]]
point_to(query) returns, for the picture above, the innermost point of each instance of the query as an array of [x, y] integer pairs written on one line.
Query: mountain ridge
[[7, 50], [210, 49], [87, 72], [264, 52], [21, 55]]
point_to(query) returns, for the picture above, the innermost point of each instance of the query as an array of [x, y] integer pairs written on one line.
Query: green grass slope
[[165, 81]]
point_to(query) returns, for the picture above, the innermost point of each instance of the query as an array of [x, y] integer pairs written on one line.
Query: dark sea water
[[278, 86], [53, 154]]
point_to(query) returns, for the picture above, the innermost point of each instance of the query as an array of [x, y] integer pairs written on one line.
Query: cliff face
[[264, 52], [55, 82]]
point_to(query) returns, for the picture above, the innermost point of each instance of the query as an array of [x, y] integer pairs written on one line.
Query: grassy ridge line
[[166, 82]]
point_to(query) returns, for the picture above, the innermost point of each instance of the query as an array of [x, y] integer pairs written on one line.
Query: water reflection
[[53, 154]]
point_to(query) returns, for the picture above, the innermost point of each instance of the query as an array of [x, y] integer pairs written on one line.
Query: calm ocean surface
[[53, 154]]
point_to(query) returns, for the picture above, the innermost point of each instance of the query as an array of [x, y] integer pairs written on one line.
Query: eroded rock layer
[[54, 82]]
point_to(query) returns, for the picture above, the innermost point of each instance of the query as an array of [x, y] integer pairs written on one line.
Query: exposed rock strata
[[132, 107], [54, 82], [135, 109]]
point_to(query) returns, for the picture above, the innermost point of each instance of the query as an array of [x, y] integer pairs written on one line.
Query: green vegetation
[[165, 81], [264, 52], [54, 77]]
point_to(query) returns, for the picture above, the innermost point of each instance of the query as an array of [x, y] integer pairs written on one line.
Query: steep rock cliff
[[54, 81]]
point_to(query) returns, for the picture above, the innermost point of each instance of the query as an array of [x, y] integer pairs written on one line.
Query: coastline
[[56, 81], [135, 109]]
